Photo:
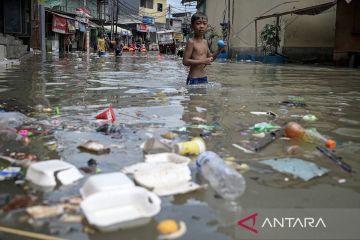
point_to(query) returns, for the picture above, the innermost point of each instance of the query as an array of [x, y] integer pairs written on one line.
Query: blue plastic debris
[[297, 167], [9, 172]]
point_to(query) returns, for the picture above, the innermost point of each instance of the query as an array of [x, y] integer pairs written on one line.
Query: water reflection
[[149, 96]]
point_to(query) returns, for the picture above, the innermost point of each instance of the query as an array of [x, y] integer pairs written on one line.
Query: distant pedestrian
[[197, 54], [118, 47], [101, 44]]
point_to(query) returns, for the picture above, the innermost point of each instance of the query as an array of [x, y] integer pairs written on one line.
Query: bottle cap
[[330, 144]]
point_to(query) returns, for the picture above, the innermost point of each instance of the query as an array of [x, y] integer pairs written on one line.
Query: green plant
[[211, 35], [270, 40]]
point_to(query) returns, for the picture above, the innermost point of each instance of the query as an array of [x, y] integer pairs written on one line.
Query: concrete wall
[[160, 17], [300, 35], [11, 48], [347, 37]]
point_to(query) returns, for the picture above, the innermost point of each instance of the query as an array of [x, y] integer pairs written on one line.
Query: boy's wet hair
[[197, 16]]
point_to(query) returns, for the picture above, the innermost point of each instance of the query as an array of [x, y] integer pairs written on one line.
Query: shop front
[[65, 32]]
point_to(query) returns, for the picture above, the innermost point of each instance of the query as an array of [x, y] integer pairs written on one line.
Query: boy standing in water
[[197, 53]]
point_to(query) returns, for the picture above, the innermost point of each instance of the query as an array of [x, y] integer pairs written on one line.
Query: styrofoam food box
[[120, 208], [43, 173], [164, 178], [166, 157], [105, 182]]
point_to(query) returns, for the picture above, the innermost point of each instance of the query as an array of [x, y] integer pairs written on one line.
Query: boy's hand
[[221, 49], [208, 61]]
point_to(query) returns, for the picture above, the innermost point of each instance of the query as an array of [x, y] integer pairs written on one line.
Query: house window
[[147, 3], [159, 7]]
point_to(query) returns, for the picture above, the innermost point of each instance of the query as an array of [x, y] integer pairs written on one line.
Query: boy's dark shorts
[[192, 81]]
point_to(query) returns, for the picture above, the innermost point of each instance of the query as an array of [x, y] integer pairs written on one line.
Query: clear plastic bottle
[[294, 130], [313, 136], [225, 180]]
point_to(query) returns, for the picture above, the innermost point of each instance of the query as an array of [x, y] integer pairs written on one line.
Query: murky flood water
[[149, 97]]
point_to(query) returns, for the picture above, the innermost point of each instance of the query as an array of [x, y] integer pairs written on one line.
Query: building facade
[[154, 8], [16, 20], [303, 36], [67, 23]]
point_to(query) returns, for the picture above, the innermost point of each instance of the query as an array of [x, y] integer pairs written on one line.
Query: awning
[[312, 10], [59, 14], [94, 25], [120, 30]]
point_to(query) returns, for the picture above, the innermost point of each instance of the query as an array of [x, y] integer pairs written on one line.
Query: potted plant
[[270, 41]]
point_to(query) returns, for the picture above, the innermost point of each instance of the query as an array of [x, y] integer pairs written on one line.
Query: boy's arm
[[187, 61], [214, 55]]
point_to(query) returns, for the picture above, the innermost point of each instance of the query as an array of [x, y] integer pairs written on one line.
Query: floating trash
[[9, 172], [264, 127], [19, 201], [94, 147], [46, 173], [153, 145], [121, 208], [170, 229], [169, 135], [108, 114], [297, 167], [105, 182], [242, 148], [269, 113], [193, 147], [166, 157], [309, 118], [37, 212], [163, 178]]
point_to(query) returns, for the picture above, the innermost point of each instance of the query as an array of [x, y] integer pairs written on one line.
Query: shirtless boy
[[197, 53]]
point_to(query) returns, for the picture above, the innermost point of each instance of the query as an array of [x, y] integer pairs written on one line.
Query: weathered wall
[[347, 36], [300, 34], [11, 48]]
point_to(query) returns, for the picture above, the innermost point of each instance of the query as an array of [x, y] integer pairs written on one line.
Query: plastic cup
[[193, 147]]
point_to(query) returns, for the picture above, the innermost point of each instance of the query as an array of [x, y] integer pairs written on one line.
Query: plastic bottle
[[313, 136], [295, 130], [226, 181]]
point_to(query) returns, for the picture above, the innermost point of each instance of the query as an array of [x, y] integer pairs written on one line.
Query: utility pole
[[117, 16], [169, 16], [112, 19], [42, 31], [228, 40], [87, 37]]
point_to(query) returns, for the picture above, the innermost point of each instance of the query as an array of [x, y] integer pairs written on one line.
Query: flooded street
[[149, 97]]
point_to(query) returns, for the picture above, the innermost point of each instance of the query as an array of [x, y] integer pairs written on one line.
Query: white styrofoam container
[[45, 173], [163, 178], [166, 157], [120, 208], [105, 182], [160, 174]]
